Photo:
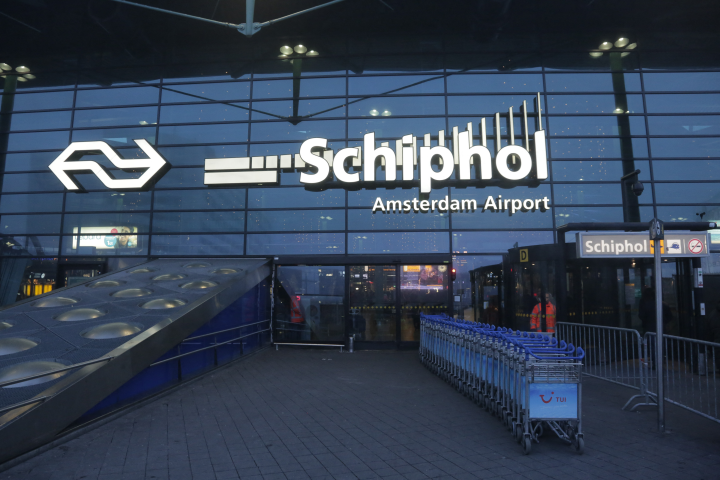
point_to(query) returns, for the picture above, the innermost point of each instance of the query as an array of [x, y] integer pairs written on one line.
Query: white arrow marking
[[153, 164]]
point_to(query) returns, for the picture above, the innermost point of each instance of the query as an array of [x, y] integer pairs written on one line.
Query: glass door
[[373, 309], [423, 289]]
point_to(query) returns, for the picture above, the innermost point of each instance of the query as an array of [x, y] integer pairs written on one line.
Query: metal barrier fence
[[623, 356]]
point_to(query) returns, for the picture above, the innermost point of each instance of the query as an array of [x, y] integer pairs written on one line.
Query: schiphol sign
[[407, 162], [639, 245]]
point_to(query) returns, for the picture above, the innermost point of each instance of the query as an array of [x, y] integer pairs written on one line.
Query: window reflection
[[107, 201], [43, 101], [684, 125], [220, 133], [26, 224], [398, 242], [197, 244], [42, 202], [367, 220], [206, 112], [273, 131], [496, 242], [487, 105], [702, 193], [565, 215], [221, 199], [294, 198], [37, 141], [407, 84], [683, 103], [198, 222], [682, 82], [598, 148], [31, 182], [117, 96], [684, 147], [590, 82], [111, 117], [296, 220], [589, 193], [39, 121], [596, 170], [389, 106], [691, 170], [205, 92], [116, 137], [575, 126], [592, 104], [192, 155], [316, 87], [494, 83], [296, 244]]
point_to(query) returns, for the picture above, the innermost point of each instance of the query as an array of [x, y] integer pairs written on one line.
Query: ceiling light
[[374, 112], [300, 49], [605, 46], [21, 79], [596, 54], [386, 113], [282, 56], [29, 76], [618, 110], [312, 53], [5, 66], [631, 46], [621, 42], [624, 54], [286, 50], [22, 69]]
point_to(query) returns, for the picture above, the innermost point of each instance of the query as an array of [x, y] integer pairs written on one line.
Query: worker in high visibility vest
[[296, 315], [550, 314]]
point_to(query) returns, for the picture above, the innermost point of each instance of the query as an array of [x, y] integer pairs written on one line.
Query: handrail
[[24, 402], [215, 345], [52, 372], [224, 331]]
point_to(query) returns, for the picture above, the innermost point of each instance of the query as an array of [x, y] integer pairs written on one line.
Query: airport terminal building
[[364, 162]]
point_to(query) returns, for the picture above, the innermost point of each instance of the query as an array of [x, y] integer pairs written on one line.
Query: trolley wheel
[[540, 431], [579, 445], [527, 445], [518, 432]]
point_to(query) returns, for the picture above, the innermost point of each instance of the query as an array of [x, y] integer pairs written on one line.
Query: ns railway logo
[[412, 159]]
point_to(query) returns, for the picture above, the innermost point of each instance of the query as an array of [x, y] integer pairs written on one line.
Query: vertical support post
[[659, 337]]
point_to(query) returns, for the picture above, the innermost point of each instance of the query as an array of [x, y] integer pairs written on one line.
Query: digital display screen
[[105, 238], [423, 277]]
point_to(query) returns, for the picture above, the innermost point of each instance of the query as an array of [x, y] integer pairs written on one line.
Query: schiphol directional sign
[[639, 245]]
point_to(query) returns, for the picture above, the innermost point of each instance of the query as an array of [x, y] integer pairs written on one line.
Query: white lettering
[[516, 205], [406, 206], [394, 205], [455, 206], [323, 168], [427, 174], [490, 203], [588, 246], [339, 165], [466, 154], [469, 205], [443, 204], [529, 206], [502, 165], [424, 204], [371, 155], [378, 205]]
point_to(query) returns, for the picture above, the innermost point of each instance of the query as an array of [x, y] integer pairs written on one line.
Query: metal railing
[[691, 369]]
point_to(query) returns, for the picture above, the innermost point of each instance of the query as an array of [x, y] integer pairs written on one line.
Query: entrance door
[[385, 302]]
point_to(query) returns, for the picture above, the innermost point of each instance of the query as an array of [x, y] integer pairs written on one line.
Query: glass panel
[[120, 243], [116, 137], [296, 220], [367, 220], [534, 297], [373, 316], [117, 96], [477, 283], [182, 177], [400, 242], [496, 242], [395, 128], [406, 84], [37, 141], [221, 133], [230, 199], [398, 64], [316, 87], [46, 80], [491, 62], [685, 125], [34, 245], [593, 104], [423, 289], [487, 105], [682, 82], [294, 198], [597, 170], [365, 198], [494, 83], [589, 194], [24, 278], [690, 169], [43, 202], [189, 155], [206, 92], [310, 304], [112, 117], [322, 65], [479, 220], [197, 244], [296, 244], [20, 162], [387, 106], [593, 82], [199, 222], [687, 192], [596, 214], [583, 61], [575, 126], [316, 108], [206, 112], [38, 121], [31, 182], [106, 223], [599, 148], [683, 103], [275, 131], [43, 101], [23, 224], [684, 147]]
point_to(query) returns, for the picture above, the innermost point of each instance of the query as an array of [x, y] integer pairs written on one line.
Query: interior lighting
[[596, 54], [300, 49], [22, 69], [624, 54], [618, 110], [312, 53], [605, 46], [621, 42], [386, 113], [631, 46], [282, 56], [29, 76], [22, 79], [5, 67], [374, 112], [286, 50]]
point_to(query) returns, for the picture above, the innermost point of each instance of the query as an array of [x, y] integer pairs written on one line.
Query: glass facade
[[650, 104]]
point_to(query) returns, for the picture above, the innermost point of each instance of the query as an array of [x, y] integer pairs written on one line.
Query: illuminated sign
[[105, 238], [638, 245]]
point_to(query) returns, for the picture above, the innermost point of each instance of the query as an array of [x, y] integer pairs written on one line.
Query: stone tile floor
[[299, 414]]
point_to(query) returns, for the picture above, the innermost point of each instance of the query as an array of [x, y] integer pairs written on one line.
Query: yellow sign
[[652, 246], [411, 268], [524, 256]]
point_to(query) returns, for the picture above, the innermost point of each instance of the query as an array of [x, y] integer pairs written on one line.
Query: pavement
[[313, 414]]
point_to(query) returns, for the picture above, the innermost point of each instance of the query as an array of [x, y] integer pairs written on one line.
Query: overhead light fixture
[[286, 50], [596, 54], [631, 46], [312, 53], [5, 66], [282, 56], [22, 79], [605, 46], [22, 69], [624, 54], [300, 49], [618, 110], [374, 112], [621, 42], [29, 76], [386, 113]]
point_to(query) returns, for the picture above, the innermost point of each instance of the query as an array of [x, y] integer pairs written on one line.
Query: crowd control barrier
[[530, 381]]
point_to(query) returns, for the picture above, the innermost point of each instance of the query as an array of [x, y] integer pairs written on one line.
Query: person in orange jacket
[[550, 314]]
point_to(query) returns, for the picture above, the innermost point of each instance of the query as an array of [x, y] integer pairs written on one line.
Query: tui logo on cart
[[66, 164], [542, 397], [557, 400]]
